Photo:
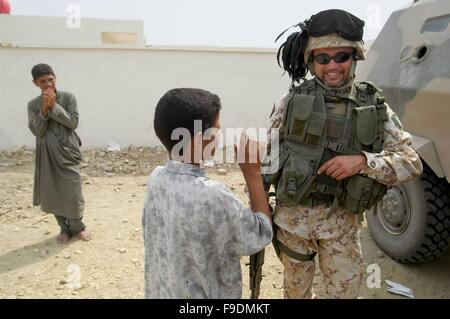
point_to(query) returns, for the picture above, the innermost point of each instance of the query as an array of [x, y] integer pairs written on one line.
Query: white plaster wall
[[117, 89]]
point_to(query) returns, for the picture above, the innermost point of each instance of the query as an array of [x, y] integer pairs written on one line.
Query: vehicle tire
[[412, 222]]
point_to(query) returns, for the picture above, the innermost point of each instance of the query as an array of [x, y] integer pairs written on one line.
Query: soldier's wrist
[[363, 161]]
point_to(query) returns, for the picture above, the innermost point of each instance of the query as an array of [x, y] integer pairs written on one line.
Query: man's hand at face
[[343, 166], [45, 105], [49, 98]]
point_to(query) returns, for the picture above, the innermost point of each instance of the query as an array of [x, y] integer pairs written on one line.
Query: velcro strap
[[334, 146], [323, 189]]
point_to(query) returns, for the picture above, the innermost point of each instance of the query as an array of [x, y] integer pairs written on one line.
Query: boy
[[195, 229], [53, 118]]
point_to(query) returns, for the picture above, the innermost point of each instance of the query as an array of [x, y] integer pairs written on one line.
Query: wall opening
[[119, 38]]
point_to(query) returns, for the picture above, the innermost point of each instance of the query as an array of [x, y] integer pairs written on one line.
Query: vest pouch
[[301, 107], [361, 193], [295, 181], [366, 124], [315, 128], [272, 167]]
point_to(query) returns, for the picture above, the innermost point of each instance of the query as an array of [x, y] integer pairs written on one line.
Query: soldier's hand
[[343, 166]]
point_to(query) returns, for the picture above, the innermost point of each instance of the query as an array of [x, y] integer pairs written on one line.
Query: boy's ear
[[35, 83]]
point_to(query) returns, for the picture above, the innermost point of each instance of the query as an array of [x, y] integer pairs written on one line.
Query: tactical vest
[[318, 125]]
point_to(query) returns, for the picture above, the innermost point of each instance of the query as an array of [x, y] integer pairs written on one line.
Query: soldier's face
[[45, 82], [333, 74]]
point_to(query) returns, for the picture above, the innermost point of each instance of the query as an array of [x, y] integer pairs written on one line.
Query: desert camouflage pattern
[[398, 162], [409, 60], [333, 41], [276, 122], [335, 239], [195, 230]]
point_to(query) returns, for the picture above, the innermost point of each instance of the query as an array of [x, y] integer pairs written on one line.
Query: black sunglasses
[[339, 57]]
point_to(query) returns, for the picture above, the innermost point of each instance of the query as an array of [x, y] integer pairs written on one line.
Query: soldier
[[340, 147]]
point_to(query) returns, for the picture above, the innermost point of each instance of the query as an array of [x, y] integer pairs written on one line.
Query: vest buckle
[[292, 186]]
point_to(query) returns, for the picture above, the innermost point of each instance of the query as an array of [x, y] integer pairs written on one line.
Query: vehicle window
[[437, 24]]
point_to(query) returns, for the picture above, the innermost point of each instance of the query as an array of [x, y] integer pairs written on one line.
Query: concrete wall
[[117, 89], [54, 31]]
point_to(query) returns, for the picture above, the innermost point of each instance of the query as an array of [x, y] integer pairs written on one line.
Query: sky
[[224, 23]]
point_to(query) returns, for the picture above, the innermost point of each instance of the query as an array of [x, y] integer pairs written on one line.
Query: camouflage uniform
[[335, 238]]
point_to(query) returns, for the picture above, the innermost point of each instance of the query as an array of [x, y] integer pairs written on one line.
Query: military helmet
[[329, 28], [333, 40]]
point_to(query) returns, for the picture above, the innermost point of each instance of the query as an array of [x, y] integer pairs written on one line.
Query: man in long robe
[[53, 118]]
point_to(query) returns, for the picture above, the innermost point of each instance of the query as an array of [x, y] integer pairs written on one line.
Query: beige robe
[[57, 181]]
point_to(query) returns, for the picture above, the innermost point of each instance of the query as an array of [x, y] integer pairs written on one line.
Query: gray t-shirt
[[195, 230]]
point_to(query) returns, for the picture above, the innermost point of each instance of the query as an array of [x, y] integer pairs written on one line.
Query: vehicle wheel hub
[[394, 211]]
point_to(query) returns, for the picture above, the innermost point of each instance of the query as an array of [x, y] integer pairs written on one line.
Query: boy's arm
[[250, 231], [252, 175], [36, 121], [69, 117], [258, 199]]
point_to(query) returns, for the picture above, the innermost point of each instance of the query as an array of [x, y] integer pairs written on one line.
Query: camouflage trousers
[[334, 238]]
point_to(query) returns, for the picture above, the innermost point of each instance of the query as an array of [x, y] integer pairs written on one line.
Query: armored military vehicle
[[410, 61]]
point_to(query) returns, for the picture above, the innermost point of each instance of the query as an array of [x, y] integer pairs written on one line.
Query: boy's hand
[[248, 154], [49, 98], [45, 105]]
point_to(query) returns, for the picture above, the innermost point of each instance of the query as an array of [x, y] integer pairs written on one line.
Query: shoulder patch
[[371, 87]]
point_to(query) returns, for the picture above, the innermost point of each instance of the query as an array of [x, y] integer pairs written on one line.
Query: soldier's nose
[[332, 65]]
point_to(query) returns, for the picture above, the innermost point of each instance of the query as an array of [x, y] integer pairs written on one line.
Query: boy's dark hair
[[41, 69], [179, 108]]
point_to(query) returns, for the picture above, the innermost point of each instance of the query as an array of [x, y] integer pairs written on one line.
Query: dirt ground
[[33, 265]]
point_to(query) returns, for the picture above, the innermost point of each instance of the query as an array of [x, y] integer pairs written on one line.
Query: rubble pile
[[133, 160], [16, 157]]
